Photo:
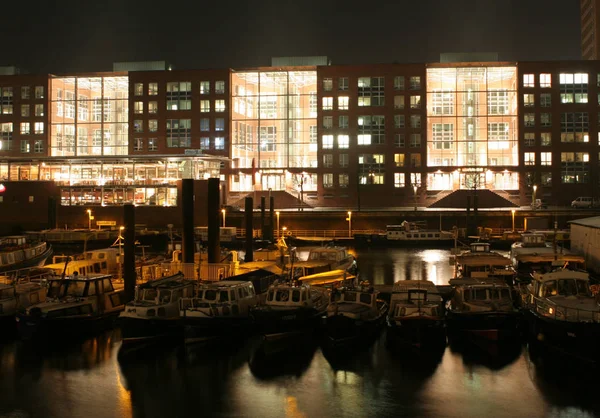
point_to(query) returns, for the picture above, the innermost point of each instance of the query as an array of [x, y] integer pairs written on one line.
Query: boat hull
[[139, 331], [31, 327], [579, 339], [343, 331], [417, 332], [491, 326], [275, 321], [8, 326], [201, 330], [36, 261]]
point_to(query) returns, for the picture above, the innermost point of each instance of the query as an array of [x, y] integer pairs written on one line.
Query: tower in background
[[590, 28]]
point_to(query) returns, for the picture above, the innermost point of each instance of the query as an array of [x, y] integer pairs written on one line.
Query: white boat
[[75, 306], [563, 313], [411, 233], [416, 316], [480, 263], [219, 309], [338, 258], [19, 252], [16, 296], [328, 278], [154, 312]]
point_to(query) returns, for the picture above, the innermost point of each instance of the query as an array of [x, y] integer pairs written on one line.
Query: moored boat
[[355, 314], [75, 306], [218, 310], [19, 252], [416, 316], [563, 314], [154, 313], [338, 258], [15, 296]]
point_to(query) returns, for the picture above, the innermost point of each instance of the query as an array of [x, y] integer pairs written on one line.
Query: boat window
[[210, 294], [91, 289], [567, 287], [75, 288], [233, 294], [548, 289], [151, 312], [164, 296], [296, 295], [282, 295], [108, 287], [96, 267], [250, 291], [86, 309], [306, 295], [270, 295], [350, 296], [408, 235], [479, 294], [55, 313], [423, 235], [176, 294], [149, 294], [417, 295], [365, 298], [583, 288], [240, 293], [429, 235], [223, 296], [185, 303]]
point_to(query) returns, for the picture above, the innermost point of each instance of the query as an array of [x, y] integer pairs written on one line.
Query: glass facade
[[274, 128], [89, 116], [472, 125]]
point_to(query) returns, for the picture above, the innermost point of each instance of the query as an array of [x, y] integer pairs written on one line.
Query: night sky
[[84, 36]]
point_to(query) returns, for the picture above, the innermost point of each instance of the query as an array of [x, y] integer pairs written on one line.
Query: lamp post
[[223, 211], [283, 230], [533, 197], [415, 191], [349, 219], [278, 233], [121, 228], [513, 219], [90, 217]]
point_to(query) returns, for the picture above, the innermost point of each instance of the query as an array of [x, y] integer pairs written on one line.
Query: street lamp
[[415, 190], [277, 214], [90, 217], [283, 230], [513, 219], [349, 219], [223, 211], [533, 197], [121, 228]]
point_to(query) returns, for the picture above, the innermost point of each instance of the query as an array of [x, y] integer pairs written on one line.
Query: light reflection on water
[[94, 380]]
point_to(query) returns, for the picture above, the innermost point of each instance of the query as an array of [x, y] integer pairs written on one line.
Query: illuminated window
[[138, 89], [152, 107], [371, 129], [327, 84], [138, 144], [415, 140], [25, 93], [152, 144], [220, 87], [529, 139], [328, 180], [220, 105], [399, 140], [415, 160], [343, 141], [415, 102], [399, 102], [219, 124], [152, 125], [529, 120], [327, 122], [38, 128], [399, 82], [545, 80], [573, 87], [39, 92], [343, 180], [343, 83], [498, 135], [327, 141], [268, 138], [343, 121], [138, 107], [25, 111], [25, 146], [364, 139], [415, 121], [179, 95], [178, 133], [399, 180], [545, 139], [25, 128], [343, 102], [327, 103], [6, 100], [38, 146], [204, 106], [575, 167], [219, 143], [205, 87], [442, 135], [546, 158], [204, 142], [399, 121], [327, 160], [528, 80], [343, 159], [529, 158], [204, 125], [399, 160], [497, 101], [152, 89], [442, 102], [528, 100], [545, 100], [415, 83], [415, 179], [574, 127], [545, 120], [138, 126]]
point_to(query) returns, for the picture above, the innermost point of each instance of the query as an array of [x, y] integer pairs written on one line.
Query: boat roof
[[550, 257], [224, 284], [310, 263], [483, 282], [561, 274], [483, 259], [175, 280], [405, 285], [82, 278]]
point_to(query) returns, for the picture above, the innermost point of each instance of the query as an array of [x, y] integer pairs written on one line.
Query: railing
[[562, 313], [315, 233]]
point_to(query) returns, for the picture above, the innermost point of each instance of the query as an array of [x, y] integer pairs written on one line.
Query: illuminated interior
[[89, 116], [472, 126], [274, 128]]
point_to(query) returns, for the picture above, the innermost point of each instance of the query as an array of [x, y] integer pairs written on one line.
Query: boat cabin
[[565, 284], [350, 295], [80, 287], [533, 240], [481, 263], [415, 297], [289, 295], [335, 257], [224, 298]]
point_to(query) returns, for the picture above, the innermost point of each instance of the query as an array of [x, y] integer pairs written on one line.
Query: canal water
[[95, 379]]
